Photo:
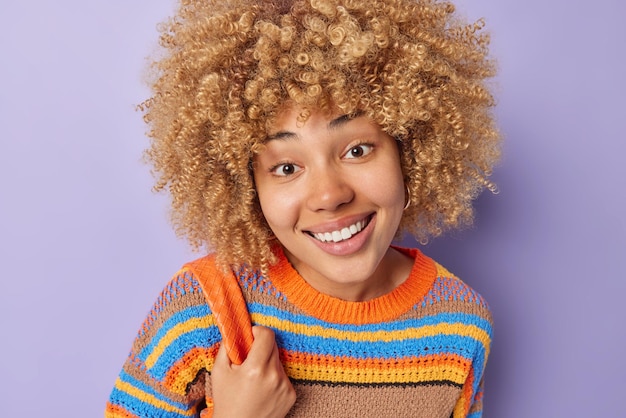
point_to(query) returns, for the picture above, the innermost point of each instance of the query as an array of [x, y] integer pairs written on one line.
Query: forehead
[[291, 119]]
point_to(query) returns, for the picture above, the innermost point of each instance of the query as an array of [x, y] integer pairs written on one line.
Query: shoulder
[[447, 296], [449, 287], [453, 299], [444, 286], [175, 342], [180, 300]]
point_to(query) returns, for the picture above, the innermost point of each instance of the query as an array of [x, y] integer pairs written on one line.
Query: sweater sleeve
[[476, 406], [470, 404], [165, 372]]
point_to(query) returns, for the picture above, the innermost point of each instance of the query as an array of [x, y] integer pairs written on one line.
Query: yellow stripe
[[175, 332], [443, 272], [179, 385], [148, 398], [364, 375], [464, 330], [462, 407]]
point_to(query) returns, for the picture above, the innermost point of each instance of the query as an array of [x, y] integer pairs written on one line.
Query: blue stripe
[[197, 311], [466, 347], [438, 344], [361, 350], [125, 377], [441, 318], [196, 338], [139, 407]]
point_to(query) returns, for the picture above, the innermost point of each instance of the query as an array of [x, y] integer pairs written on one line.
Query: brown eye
[[359, 151], [356, 152], [285, 169]]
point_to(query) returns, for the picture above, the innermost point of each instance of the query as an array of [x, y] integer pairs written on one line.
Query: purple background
[[85, 247]]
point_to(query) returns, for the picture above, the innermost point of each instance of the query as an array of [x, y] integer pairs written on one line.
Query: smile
[[342, 234]]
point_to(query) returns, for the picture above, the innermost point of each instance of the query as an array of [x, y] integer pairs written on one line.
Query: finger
[[263, 345], [222, 356], [276, 356]]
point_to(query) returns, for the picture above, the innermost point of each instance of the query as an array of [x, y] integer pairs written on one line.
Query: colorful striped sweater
[[419, 351]]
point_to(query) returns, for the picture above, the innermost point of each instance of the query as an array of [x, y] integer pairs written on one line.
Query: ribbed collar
[[331, 309]]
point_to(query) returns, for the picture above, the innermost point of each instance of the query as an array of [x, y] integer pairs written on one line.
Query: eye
[[359, 151], [285, 169]]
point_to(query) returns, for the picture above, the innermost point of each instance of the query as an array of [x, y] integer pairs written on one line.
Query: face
[[332, 191]]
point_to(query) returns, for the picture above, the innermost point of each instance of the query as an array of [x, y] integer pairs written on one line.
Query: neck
[[392, 271]]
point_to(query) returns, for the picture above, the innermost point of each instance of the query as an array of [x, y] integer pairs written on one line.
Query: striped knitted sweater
[[419, 351]]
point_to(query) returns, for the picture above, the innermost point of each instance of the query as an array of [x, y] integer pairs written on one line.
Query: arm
[[476, 408], [165, 370], [470, 404]]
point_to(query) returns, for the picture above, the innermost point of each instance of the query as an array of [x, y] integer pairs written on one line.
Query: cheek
[[400, 188], [395, 195], [279, 209], [387, 186]]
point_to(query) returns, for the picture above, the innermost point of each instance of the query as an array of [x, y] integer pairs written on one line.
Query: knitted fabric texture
[[419, 351]]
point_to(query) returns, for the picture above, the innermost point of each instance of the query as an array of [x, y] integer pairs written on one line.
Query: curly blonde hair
[[229, 66]]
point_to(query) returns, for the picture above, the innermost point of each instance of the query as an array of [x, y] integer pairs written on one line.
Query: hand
[[258, 387]]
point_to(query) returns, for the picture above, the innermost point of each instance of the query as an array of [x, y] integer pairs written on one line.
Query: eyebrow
[[332, 125]]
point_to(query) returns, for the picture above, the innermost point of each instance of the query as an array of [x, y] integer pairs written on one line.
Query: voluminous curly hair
[[229, 66]]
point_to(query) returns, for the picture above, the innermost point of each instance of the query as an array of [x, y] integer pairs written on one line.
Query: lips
[[342, 234]]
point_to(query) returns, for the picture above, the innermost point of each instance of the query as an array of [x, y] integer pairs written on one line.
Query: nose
[[328, 190]]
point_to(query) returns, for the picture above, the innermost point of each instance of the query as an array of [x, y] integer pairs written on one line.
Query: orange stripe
[[186, 369], [403, 363], [349, 370], [116, 411], [465, 401]]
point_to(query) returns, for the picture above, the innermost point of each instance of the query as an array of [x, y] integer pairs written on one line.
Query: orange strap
[[228, 306]]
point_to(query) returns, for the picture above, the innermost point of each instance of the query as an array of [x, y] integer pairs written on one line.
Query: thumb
[[221, 359]]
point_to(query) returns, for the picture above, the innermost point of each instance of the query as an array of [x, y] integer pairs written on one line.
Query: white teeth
[[340, 235]]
